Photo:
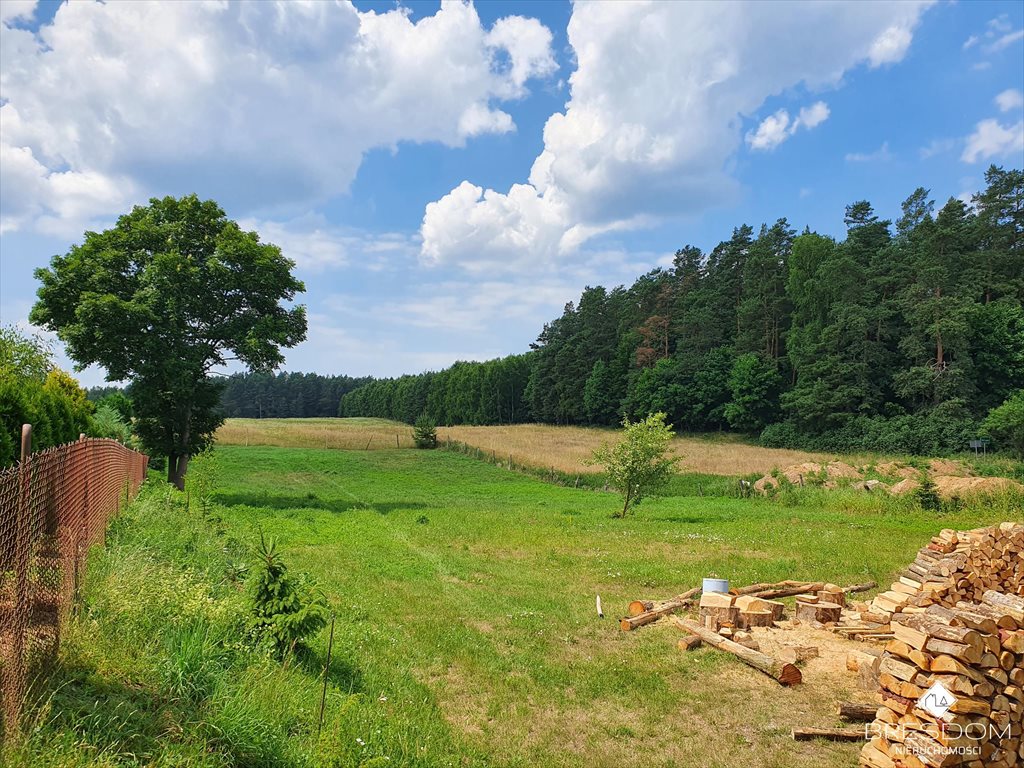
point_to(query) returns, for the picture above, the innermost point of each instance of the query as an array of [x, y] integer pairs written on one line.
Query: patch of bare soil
[[948, 467]]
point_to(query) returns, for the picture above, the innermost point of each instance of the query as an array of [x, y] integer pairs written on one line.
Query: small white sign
[[937, 700]]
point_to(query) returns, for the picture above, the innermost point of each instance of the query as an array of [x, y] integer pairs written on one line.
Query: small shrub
[[639, 464], [107, 422], [424, 434], [285, 609], [927, 495]]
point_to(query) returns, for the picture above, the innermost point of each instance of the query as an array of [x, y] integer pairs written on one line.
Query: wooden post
[[14, 690], [327, 667]]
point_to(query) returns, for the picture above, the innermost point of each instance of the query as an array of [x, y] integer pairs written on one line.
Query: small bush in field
[[285, 609], [928, 495], [640, 463], [424, 434]]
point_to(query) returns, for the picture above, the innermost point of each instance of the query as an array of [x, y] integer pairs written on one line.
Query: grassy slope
[[489, 605], [467, 633]]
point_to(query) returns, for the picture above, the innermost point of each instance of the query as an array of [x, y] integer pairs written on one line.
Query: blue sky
[[447, 177]]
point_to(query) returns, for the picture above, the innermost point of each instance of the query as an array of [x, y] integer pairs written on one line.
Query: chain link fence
[[54, 505]]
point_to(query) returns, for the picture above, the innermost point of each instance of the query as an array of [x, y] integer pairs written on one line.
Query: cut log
[[797, 654], [798, 589], [832, 734], [857, 713], [756, 618], [783, 673], [684, 600], [639, 606], [690, 643], [823, 612], [867, 585]]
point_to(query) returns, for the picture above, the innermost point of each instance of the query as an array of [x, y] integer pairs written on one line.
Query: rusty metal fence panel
[[54, 505]]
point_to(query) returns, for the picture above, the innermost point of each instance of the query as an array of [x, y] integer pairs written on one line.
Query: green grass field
[[466, 626]]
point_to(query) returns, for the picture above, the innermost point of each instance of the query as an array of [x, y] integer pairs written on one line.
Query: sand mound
[[766, 482], [974, 486], [948, 467], [798, 472], [839, 470], [897, 469], [905, 486]]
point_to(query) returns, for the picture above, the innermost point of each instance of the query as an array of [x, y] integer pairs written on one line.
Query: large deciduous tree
[[170, 293]]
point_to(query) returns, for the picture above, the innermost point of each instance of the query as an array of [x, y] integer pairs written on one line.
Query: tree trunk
[[172, 468], [783, 673], [178, 479]]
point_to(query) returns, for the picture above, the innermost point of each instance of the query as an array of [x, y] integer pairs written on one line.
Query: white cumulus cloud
[[260, 105], [776, 128], [655, 113], [1010, 99], [993, 139]]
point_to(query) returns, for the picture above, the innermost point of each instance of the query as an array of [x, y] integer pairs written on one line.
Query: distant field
[[567, 448], [346, 434], [563, 448]]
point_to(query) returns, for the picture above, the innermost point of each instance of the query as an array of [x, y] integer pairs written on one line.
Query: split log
[[857, 713], [685, 600], [785, 674], [823, 612]]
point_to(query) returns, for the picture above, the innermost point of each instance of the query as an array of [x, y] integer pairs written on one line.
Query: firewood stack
[[955, 566], [976, 651]]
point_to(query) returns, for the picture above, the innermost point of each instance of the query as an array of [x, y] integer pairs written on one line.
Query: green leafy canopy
[[173, 291]]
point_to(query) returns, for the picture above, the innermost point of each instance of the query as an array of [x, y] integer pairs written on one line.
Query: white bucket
[[716, 585]]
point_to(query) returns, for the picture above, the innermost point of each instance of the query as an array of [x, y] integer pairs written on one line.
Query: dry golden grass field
[[565, 449], [346, 434]]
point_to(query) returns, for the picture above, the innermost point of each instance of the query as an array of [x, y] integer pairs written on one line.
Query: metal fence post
[[15, 678]]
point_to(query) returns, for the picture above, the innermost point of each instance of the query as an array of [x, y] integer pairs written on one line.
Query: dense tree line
[[284, 395], [34, 391], [494, 392], [901, 336]]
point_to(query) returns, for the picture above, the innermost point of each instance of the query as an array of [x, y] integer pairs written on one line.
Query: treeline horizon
[[900, 337]]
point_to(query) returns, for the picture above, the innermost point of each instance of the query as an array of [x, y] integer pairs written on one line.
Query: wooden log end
[[790, 675]]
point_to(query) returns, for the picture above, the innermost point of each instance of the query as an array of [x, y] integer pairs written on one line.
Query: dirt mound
[[905, 486], [841, 470], [948, 486], [897, 469], [810, 472], [798, 472], [948, 467]]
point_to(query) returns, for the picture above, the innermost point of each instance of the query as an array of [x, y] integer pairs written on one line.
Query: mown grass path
[[465, 603]]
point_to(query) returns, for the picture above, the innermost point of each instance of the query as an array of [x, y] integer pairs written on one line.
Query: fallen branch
[[783, 673], [860, 587], [832, 734], [684, 600], [798, 588]]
